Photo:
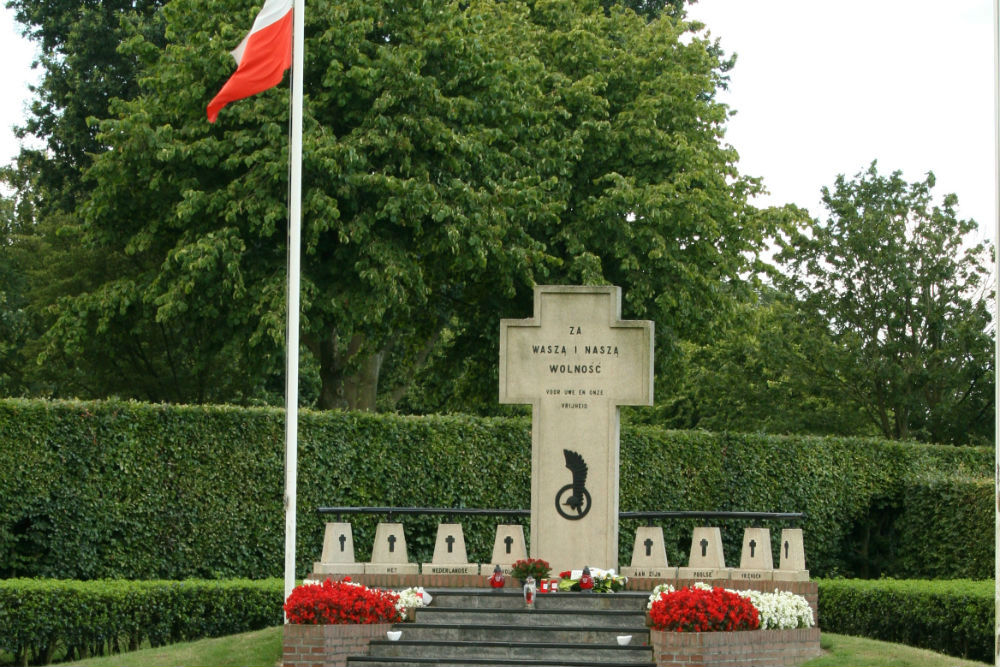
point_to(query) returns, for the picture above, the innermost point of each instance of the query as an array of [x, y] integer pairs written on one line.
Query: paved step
[[454, 650], [579, 635], [483, 628], [573, 658], [515, 600], [539, 616]]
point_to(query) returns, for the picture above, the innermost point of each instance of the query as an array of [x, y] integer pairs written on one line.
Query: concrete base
[[649, 572], [450, 568], [702, 573], [739, 575], [338, 568], [392, 568]]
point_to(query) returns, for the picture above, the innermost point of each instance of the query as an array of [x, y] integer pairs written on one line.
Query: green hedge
[[950, 517], [44, 620], [113, 489], [953, 617]]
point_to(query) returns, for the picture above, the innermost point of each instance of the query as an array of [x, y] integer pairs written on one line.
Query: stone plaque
[[575, 361], [389, 552], [338, 551]]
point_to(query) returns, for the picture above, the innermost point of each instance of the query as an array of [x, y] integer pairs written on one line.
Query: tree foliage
[[455, 154], [903, 294]]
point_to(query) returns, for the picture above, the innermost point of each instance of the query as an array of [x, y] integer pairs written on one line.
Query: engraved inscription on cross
[[576, 361]]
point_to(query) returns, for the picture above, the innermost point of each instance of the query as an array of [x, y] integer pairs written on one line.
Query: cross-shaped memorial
[[576, 361]]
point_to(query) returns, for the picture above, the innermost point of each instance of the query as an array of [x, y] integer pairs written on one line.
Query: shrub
[[953, 617], [114, 489], [47, 619]]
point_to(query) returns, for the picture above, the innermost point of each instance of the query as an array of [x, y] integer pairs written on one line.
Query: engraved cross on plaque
[[576, 361]]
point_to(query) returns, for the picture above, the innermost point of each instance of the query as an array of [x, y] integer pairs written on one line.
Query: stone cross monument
[[575, 362]]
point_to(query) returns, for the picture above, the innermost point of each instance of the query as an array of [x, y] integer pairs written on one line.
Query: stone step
[[568, 661], [609, 618], [543, 634], [454, 650], [514, 599]]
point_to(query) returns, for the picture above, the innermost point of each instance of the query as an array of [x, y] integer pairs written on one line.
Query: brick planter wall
[[328, 645], [756, 648]]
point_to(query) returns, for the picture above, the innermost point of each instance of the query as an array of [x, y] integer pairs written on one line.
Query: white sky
[[821, 87], [824, 87]]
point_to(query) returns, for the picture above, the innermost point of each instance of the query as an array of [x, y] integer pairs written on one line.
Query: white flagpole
[[292, 334], [996, 328]]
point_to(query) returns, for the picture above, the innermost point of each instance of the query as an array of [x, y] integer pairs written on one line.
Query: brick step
[[453, 650], [556, 634]]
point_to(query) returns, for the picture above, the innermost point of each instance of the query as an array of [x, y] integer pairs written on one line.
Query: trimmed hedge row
[[44, 620], [114, 489], [954, 514], [953, 617]]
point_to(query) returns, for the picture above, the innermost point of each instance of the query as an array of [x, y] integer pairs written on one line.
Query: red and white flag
[[261, 58]]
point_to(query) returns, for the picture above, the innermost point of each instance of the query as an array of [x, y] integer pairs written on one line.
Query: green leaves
[[902, 293], [455, 155], [953, 617], [112, 489]]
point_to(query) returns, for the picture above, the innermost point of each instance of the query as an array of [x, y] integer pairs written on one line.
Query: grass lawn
[[845, 651], [263, 649]]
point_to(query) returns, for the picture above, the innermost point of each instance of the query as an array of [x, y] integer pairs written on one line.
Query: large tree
[[902, 289], [456, 153]]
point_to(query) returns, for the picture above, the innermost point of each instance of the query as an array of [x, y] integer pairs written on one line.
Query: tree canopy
[[903, 291], [455, 154]]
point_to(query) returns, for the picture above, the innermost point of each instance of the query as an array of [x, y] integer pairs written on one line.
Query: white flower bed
[[780, 610]]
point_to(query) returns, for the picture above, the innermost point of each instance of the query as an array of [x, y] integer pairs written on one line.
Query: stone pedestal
[[449, 552], [389, 552], [508, 547], [756, 561], [338, 551], [649, 555], [791, 556], [707, 560]]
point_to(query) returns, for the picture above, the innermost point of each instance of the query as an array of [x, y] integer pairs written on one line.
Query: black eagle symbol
[[578, 467]]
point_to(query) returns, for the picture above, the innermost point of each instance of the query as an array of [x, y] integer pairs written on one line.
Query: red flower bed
[[699, 610], [341, 603]]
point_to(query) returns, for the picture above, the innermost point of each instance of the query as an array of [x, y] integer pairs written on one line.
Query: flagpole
[[996, 328], [292, 334]]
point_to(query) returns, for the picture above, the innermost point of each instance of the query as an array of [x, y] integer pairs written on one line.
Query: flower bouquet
[[410, 600], [530, 567], [605, 581], [341, 602]]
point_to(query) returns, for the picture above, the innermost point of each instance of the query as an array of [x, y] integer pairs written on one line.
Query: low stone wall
[[755, 648], [328, 645]]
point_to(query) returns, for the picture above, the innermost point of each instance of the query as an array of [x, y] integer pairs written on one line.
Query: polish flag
[[261, 58]]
